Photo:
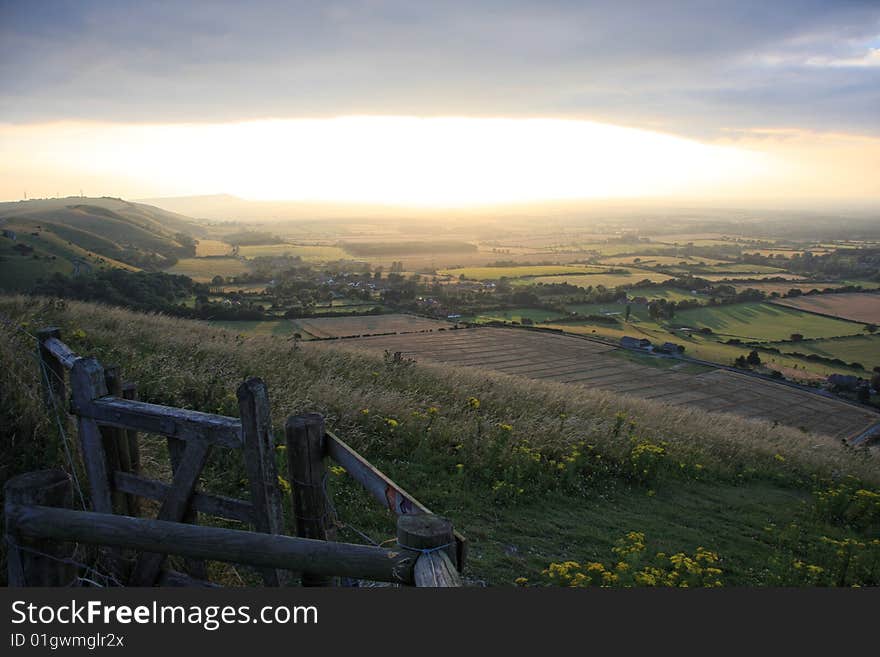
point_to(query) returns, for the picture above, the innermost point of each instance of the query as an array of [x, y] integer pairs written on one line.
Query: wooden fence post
[[26, 563], [51, 372], [259, 460], [431, 540], [305, 461], [87, 383], [113, 439], [129, 391]]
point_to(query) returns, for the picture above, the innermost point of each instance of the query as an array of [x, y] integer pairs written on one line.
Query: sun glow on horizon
[[378, 159]]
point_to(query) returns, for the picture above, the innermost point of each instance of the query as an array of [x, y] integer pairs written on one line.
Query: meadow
[[531, 474], [202, 270], [629, 277], [763, 321]]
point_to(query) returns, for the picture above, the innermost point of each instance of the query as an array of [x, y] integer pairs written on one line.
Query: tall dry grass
[[189, 364]]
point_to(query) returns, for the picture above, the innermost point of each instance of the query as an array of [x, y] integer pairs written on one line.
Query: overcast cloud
[[696, 68]]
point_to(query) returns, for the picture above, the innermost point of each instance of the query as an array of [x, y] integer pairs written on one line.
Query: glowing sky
[[441, 103]]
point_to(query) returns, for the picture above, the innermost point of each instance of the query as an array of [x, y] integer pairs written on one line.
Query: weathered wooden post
[[431, 540], [129, 391], [305, 462], [51, 371], [259, 460], [32, 562], [87, 383], [113, 438]]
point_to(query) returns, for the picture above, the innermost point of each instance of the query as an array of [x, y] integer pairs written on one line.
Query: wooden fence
[[41, 523]]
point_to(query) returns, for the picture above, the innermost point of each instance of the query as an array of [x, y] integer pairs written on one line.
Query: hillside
[[76, 234], [533, 473]]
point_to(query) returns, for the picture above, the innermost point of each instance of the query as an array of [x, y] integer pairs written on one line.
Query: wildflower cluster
[[849, 503], [633, 566], [646, 459]]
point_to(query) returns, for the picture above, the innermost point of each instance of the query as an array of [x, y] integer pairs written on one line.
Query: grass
[[530, 473], [203, 270], [763, 321], [268, 327]]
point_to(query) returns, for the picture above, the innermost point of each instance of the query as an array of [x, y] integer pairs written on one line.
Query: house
[[9, 233], [634, 343], [669, 348], [23, 249]]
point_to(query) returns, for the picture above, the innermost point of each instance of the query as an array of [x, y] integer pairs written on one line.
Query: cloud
[[687, 67]]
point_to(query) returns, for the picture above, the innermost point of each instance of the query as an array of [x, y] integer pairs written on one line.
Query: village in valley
[[681, 297]]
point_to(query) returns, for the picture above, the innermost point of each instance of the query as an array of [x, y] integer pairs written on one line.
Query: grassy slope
[[720, 483], [73, 227]]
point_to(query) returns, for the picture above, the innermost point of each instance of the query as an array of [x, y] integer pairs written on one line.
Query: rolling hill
[[531, 472], [66, 235]]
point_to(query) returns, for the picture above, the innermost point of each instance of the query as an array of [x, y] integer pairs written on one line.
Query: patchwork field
[[340, 327], [308, 253], [764, 321], [202, 270], [205, 248], [607, 280], [494, 273], [514, 315], [572, 360], [857, 307], [662, 260]]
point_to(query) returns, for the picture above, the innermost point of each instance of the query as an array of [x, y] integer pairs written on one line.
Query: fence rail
[[41, 523]]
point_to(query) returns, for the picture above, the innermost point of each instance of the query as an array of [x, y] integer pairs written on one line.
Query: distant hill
[[225, 207], [66, 235]]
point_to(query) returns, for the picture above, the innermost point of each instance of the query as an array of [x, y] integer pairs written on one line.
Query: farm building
[[634, 343], [23, 249], [669, 348], [9, 233]]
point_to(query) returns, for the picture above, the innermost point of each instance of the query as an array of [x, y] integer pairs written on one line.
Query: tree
[[871, 328], [628, 312], [753, 358], [796, 337]]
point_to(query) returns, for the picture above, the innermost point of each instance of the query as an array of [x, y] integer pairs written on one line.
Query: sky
[[441, 103]]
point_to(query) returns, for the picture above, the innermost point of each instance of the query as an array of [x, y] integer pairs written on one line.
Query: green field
[[594, 280], [306, 252], [864, 349], [203, 270], [763, 321], [668, 293]]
